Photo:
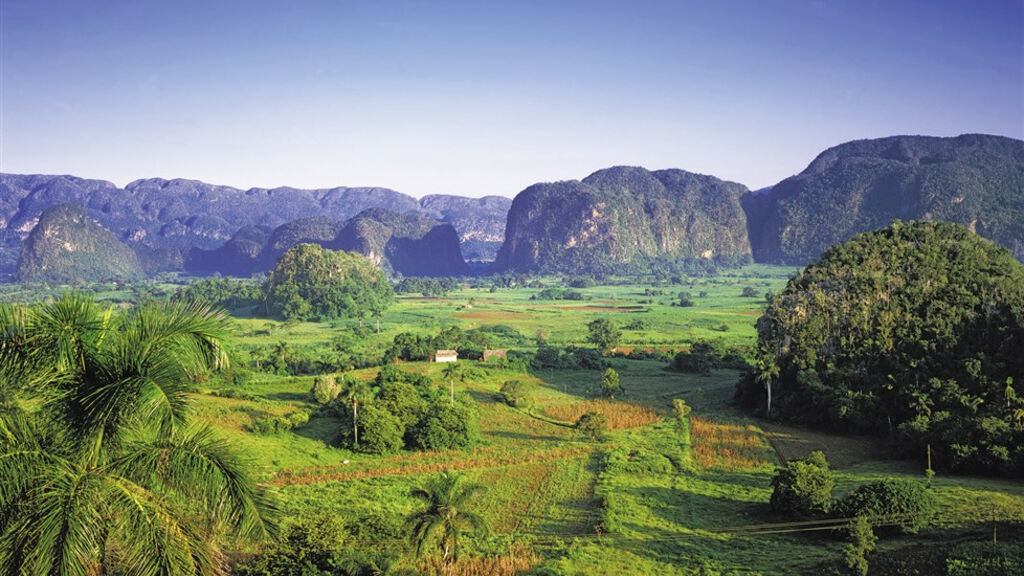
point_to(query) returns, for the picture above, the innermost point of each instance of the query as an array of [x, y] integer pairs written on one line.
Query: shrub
[[278, 424], [325, 389], [644, 462], [401, 399], [513, 393], [862, 541], [610, 386], [985, 559], [444, 427], [701, 358], [803, 488], [905, 500], [604, 334], [592, 425], [380, 431], [749, 292], [312, 547]]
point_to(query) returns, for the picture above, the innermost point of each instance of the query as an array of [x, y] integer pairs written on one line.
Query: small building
[[488, 354], [446, 356]]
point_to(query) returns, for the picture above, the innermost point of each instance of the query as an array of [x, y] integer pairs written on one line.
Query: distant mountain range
[[167, 218], [614, 219]]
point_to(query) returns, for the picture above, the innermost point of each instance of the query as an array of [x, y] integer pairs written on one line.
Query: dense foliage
[[803, 488], [312, 282], [101, 468], [704, 356], [915, 331], [401, 410], [604, 334], [905, 501], [428, 287], [225, 293], [319, 546]]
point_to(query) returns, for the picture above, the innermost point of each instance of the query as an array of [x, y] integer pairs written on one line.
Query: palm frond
[[197, 463]]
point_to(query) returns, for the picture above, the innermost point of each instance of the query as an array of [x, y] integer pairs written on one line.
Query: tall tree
[[452, 372], [103, 472], [604, 334], [446, 518]]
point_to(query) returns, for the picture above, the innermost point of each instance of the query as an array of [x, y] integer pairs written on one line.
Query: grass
[[648, 500], [618, 415]]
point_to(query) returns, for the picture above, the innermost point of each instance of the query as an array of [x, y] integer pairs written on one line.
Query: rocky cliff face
[[480, 222], [410, 244], [974, 180], [167, 219], [66, 246], [621, 217]]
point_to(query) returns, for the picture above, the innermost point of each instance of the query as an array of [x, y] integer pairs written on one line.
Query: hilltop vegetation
[[974, 180], [312, 282], [915, 332], [624, 218], [66, 246]]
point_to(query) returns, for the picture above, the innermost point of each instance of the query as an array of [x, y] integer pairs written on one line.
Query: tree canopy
[[312, 282], [915, 330]]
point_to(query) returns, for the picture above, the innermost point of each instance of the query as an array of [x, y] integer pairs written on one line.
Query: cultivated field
[[648, 499]]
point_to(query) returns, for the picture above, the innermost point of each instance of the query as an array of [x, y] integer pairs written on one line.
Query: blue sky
[[480, 97]]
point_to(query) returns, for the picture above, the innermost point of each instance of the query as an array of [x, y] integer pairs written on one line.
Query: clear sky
[[483, 97]]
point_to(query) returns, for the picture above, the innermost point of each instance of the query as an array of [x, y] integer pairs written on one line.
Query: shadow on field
[[522, 436], [288, 396], [324, 429]]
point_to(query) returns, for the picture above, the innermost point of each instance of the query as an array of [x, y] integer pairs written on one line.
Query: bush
[[325, 389], [444, 427], [905, 500], [644, 462], [513, 393], [985, 559], [803, 488], [610, 386], [749, 292], [380, 431], [279, 424], [592, 425], [313, 547]]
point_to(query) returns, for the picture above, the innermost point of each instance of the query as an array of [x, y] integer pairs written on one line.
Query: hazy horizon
[[478, 99]]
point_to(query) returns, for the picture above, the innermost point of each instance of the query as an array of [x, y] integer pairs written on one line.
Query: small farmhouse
[[446, 356]]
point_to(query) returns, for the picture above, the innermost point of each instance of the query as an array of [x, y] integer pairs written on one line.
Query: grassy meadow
[[651, 498]]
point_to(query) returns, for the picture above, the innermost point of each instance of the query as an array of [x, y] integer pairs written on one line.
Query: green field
[[646, 500]]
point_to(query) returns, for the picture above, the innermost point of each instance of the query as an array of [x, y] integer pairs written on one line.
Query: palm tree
[[101, 469], [452, 371], [766, 373], [445, 519], [357, 391]]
